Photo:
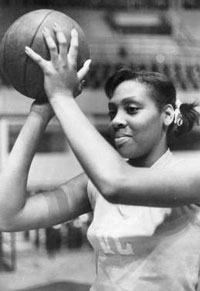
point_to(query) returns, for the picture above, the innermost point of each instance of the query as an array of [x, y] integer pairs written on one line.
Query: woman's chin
[[125, 154]]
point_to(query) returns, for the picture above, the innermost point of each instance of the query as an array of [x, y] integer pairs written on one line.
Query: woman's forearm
[[13, 179], [99, 159]]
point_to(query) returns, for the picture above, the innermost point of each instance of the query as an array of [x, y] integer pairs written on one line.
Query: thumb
[[84, 70]]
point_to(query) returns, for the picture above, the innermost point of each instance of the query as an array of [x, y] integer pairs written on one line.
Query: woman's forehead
[[131, 89]]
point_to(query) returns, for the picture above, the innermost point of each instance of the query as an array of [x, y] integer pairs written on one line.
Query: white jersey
[[141, 248]]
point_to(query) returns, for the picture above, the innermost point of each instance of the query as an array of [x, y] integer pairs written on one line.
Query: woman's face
[[136, 123]]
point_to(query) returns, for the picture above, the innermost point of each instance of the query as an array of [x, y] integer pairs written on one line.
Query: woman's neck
[[149, 159]]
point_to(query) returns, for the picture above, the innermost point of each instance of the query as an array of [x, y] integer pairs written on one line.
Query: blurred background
[[157, 35]]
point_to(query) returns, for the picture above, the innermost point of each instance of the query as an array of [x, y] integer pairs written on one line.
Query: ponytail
[[189, 117]]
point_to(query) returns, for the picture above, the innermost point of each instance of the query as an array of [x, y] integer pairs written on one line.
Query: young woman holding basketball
[[146, 228]]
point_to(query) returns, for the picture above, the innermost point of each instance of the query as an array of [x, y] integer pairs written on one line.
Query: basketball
[[18, 69]]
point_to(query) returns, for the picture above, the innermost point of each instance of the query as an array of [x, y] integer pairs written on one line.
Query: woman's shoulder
[[168, 159]]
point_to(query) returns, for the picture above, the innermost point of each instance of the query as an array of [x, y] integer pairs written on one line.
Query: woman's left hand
[[60, 72]]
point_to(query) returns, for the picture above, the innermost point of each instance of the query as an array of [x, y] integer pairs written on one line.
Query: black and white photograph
[[99, 145]]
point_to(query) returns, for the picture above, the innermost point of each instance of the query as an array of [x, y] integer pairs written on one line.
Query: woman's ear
[[168, 115]]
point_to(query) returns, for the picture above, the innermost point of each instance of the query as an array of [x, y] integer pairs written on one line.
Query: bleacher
[[184, 76]]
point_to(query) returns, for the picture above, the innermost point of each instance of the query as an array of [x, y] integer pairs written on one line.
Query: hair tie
[[178, 118]]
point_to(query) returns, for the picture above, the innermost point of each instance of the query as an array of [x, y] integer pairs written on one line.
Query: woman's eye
[[132, 109]]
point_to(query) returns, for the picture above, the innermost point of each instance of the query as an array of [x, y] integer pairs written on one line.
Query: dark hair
[[163, 92]]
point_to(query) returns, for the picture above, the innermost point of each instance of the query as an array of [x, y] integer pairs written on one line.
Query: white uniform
[[145, 248]]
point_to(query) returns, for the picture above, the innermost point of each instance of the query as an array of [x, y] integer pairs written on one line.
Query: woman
[[145, 228]]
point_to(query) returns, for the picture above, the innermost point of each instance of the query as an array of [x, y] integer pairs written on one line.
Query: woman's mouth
[[121, 140]]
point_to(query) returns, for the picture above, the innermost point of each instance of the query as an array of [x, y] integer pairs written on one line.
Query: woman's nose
[[118, 121]]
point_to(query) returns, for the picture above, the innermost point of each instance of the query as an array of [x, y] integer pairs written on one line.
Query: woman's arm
[[45, 209], [115, 179], [14, 176], [48, 208]]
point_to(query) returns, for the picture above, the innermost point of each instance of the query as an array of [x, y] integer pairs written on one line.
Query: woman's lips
[[121, 140]]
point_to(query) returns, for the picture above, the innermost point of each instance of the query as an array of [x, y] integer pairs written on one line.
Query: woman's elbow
[[112, 183], [9, 223], [110, 191], [6, 226]]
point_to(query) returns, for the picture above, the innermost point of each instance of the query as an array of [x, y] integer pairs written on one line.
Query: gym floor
[[67, 270]]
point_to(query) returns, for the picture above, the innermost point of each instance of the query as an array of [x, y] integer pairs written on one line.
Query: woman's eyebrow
[[125, 100], [130, 99]]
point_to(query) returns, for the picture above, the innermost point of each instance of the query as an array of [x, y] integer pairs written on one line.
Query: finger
[[84, 70], [62, 42], [51, 45], [80, 88], [35, 57], [73, 49]]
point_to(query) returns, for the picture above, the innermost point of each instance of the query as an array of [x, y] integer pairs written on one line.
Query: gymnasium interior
[[156, 35]]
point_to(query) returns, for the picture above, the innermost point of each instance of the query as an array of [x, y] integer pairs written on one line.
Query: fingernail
[[56, 25], [27, 49], [44, 30], [74, 31], [88, 62]]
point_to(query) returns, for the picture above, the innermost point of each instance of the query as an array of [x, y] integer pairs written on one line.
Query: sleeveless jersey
[[141, 248]]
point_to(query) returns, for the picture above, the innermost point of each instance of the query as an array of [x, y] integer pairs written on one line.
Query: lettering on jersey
[[105, 245], [111, 245], [124, 248]]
